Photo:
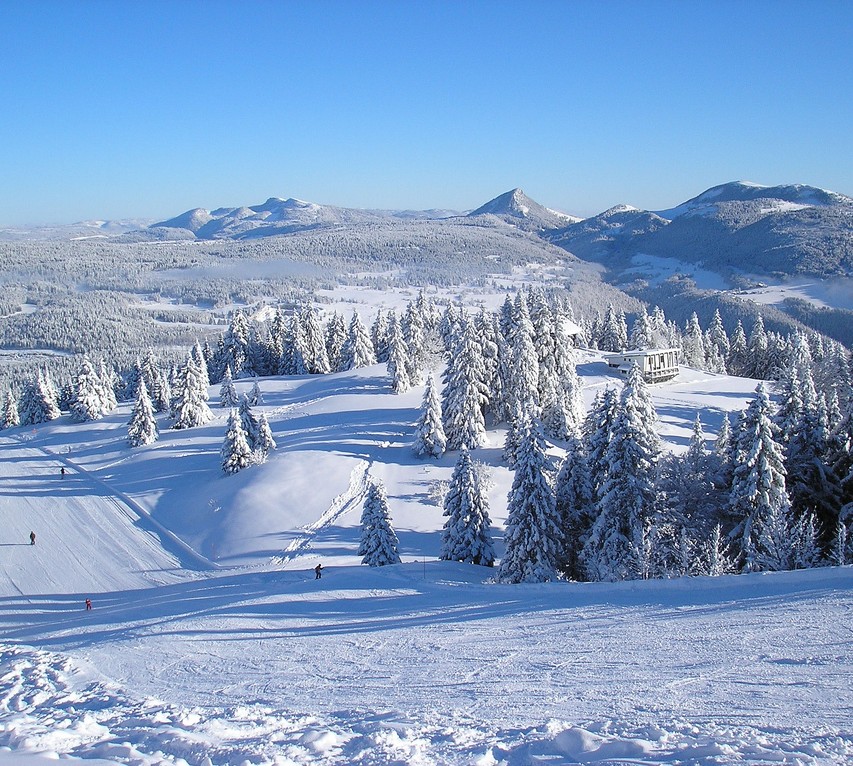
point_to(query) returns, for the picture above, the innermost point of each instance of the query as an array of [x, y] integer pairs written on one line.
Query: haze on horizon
[[120, 110]]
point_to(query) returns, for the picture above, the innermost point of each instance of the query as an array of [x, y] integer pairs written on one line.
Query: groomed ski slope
[[210, 640]]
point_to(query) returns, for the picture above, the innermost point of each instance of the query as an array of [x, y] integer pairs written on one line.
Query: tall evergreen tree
[[617, 543], [235, 453], [413, 328], [142, 428], [235, 346], [227, 392], [190, 397], [358, 349], [398, 352], [88, 402], [316, 356], [264, 442], [737, 362], [336, 336], [465, 536], [379, 542], [533, 533], [598, 432], [464, 395], [575, 507], [430, 440], [11, 416], [758, 497], [250, 423]]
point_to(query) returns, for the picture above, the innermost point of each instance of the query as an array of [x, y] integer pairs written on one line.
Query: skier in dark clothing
[[62, 472], [88, 605], [32, 538], [318, 571]]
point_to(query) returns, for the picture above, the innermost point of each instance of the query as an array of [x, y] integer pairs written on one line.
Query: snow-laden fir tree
[[227, 392], [486, 329], [110, 383], [190, 397], [378, 335], [533, 535], [464, 395], [430, 440], [641, 337], [598, 431], [398, 353], [142, 428], [466, 536], [11, 416], [758, 499], [575, 507], [737, 362], [840, 552], [88, 402], [336, 336], [693, 344], [249, 422], [413, 327], [614, 331], [235, 453], [717, 558], [200, 359], [358, 349], [717, 338], [264, 442], [235, 346], [255, 396], [757, 350], [378, 546], [316, 357], [616, 548]]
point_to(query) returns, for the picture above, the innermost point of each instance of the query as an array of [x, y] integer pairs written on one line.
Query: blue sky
[[116, 109]]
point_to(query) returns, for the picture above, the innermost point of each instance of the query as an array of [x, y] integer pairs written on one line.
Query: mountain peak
[[517, 208]]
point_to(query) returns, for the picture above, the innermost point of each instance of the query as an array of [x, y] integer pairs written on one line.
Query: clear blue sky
[[118, 108]]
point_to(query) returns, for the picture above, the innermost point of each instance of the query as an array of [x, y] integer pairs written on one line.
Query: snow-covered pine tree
[[379, 542], [235, 346], [718, 339], [616, 548], [264, 443], [614, 331], [11, 416], [575, 507], [316, 357], [378, 335], [466, 536], [413, 328], [190, 397], [840, 552], [227, 392], [142, 428], [358, 348], [464, 394], [161, 394], [641, 336], [737, 362], [250, 423], [88, 402], [756, 351], [200, 360], [255, 396], [533, 536], [717, 558], [336, 336], [110, 382], [398, 352], [758, 498], [598, 431], [693, 344], [430, 440], [235, 453]]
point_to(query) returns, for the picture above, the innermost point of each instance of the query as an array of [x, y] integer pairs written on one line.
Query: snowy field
[[210, 641]]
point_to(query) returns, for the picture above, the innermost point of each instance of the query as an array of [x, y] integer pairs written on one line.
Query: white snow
[[829, 293], [210, 641], [656, 269]]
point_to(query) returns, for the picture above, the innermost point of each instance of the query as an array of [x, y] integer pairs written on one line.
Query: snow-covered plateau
[[211, 642]]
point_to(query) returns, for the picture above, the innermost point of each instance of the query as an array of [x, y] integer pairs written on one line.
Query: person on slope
[[32, 538], [318, 571]]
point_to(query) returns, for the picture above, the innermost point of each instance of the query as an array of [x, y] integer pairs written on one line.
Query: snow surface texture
[[210, 641]]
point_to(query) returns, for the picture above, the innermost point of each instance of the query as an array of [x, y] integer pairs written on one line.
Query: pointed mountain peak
[[517, 208]]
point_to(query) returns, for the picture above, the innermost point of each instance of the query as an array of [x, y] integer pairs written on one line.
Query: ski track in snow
[[353, 494]]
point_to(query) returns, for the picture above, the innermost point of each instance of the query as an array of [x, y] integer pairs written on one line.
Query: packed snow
[[211, 642]]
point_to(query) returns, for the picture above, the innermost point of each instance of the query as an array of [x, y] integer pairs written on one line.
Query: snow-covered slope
[[517, 208], [210, 641]]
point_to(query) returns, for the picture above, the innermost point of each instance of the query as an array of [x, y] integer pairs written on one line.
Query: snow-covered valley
[[210, 640]]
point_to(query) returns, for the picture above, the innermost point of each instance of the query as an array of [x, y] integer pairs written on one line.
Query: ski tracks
[[339, 505]]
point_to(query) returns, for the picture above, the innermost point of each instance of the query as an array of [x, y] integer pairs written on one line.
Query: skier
[[32, 538], [88, 605], [318, 571], [62, 472]]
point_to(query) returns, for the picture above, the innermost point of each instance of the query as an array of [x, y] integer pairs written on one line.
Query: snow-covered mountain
[[735, 228], [516, 208], [275, 216]]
